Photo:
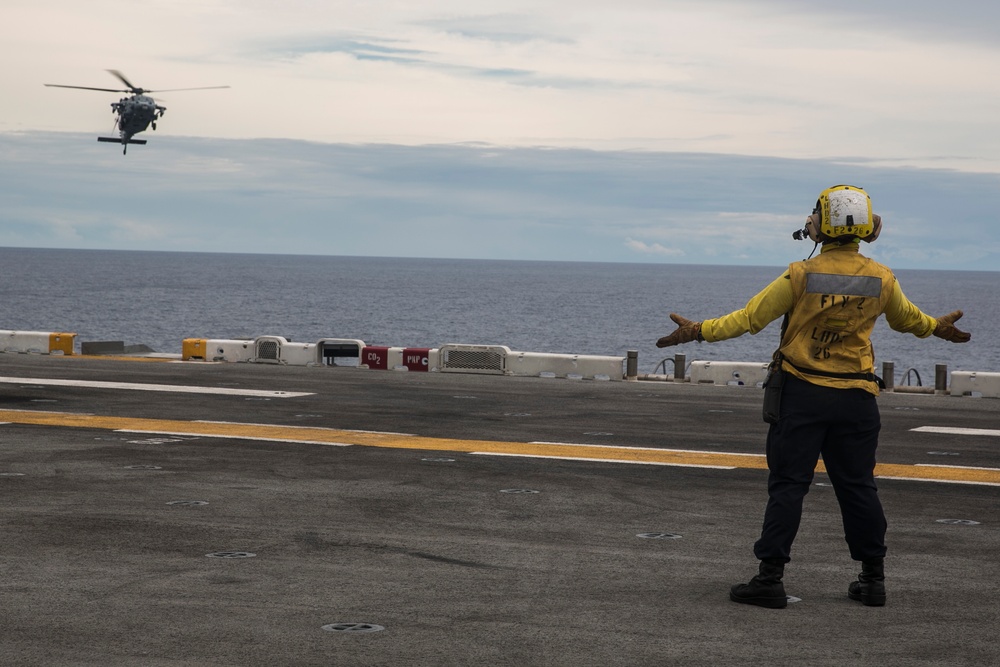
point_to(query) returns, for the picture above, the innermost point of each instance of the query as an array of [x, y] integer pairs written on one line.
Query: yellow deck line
[[275, 433]]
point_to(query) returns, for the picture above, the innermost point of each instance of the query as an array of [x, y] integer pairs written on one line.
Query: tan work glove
[[947, 330], [686, 332]]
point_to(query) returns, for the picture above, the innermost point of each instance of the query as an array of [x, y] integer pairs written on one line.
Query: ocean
[[160, 298]]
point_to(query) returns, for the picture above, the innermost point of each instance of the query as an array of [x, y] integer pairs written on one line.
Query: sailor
[[823, 386]]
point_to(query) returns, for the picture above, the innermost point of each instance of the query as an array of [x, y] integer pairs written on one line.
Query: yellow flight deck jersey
[[832, 302]]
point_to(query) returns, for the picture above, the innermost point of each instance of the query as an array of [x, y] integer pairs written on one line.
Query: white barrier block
[[394, 358], [279, 350], [217, 349], [966, 383], [37, 342], [736, 373], [331, 349], [565, 365], [299, 354], [433, 359]]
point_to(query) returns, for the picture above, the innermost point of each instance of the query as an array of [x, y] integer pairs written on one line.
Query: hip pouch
[[772, 394], [774, 381]]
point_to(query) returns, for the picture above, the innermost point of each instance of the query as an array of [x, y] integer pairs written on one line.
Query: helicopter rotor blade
[[107, 90], [135, 90], [121, 77], [174, 90]]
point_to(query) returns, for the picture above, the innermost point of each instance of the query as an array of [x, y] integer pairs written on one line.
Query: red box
[[375, 356], [415, 358]]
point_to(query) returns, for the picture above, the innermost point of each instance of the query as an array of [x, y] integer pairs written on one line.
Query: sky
[[635, 131]]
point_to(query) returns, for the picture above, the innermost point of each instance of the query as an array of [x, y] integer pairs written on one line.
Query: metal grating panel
[[479, 360], [267, 349], [474, 359]]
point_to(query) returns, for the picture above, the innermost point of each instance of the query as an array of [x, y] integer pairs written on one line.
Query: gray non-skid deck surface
[[99, 568]]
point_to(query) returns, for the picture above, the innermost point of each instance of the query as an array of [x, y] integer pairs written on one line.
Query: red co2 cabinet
[[375, 357]]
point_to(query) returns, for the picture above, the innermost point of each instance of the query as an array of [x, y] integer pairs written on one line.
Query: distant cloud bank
[[470, 201]]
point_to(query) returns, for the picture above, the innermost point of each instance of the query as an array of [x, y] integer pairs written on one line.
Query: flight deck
[[163, 512]]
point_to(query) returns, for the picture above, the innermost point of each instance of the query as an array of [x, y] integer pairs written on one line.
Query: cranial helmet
[[843, 213]]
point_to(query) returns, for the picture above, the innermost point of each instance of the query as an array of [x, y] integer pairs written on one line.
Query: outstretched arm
[[905, 317], [771, 303]]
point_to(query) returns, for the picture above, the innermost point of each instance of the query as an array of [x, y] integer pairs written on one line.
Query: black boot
[[764, 590], [869, 589]]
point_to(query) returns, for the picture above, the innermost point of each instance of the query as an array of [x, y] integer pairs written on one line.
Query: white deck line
[[233, 436], [314, 428], [170, 388], [643, 449], [938, 465], [956, 430], [597, 460], [937, 481]]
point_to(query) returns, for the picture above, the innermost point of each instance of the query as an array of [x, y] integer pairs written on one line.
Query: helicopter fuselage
[[135, 114]]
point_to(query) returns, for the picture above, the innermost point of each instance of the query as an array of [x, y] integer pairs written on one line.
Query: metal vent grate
[[490, 359], [474, 359], [267, 349]]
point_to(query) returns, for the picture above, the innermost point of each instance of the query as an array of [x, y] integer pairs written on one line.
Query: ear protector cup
[[812, 228], [877, 228]]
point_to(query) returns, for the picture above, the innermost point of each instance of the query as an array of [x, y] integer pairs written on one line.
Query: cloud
[[516, 29], [476, 202], [361, 48], [644, 248], [923, 20], [899, 83]]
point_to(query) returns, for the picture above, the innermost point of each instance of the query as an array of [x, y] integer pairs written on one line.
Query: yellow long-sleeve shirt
[[777, 299]]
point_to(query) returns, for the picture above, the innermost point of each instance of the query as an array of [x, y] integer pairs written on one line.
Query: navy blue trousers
[[842, 425]]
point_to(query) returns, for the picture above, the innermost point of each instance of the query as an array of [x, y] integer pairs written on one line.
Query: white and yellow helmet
[[843, 213]]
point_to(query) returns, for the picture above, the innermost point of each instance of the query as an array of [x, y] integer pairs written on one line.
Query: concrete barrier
[[37, 342], [381, 357], [572, 366], [280, 350], [217, 349], [482, 359], [971, 383], [332, 349], [420, 359], [415, 359], [734, 373], [500, 360]]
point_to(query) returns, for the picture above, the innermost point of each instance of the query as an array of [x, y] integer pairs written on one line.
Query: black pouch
[[772, 394], [774, 381]]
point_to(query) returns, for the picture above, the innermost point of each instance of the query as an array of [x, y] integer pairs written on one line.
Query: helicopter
[[133, 114]]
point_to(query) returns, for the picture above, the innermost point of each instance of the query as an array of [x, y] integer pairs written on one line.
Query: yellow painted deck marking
[[606, 453]]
